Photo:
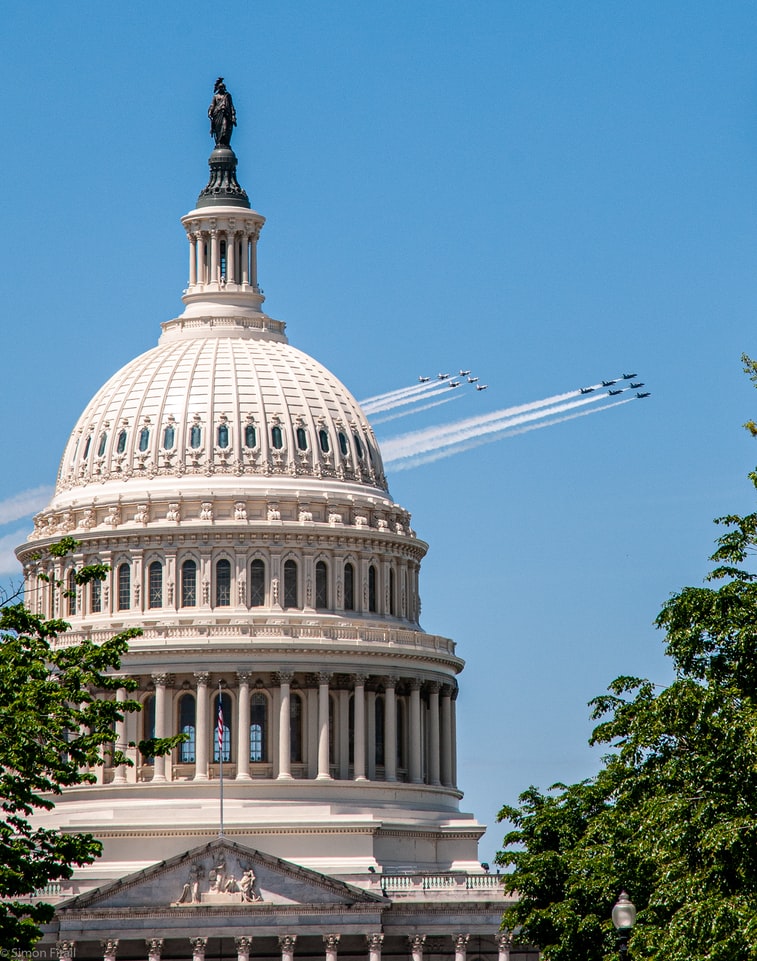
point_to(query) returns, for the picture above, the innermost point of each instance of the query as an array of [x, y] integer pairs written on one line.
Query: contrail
[[410, 461], [432, 438], [416, 410], [399, 392], [24, 504], [439, 388]]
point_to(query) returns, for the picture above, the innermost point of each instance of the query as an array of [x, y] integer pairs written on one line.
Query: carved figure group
[[219, 882]]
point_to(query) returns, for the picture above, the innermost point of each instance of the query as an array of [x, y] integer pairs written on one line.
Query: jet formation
[[452, 383], [620, 390]]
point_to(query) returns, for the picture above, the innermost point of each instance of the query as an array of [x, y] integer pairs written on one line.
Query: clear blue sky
[[547, 193]]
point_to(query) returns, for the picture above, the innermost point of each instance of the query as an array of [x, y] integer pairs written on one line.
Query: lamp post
[[624, 918]]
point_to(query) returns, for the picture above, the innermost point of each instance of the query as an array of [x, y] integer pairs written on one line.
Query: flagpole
[[220, 733]]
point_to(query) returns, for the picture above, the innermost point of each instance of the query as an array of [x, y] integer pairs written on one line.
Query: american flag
[[219, 727]]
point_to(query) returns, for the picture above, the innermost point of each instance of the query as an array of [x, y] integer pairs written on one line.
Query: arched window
[[372, 607], [189, 584], [148, 723], [277, 438], [349, 587], [223, 264], [223, 583], [321, 586], [302, 438], [96, 596], [195, 436], [379, 717], [223, 436], [401, 738], [86, 447], [257, 583], [351, 729], [71, 592], [295, 728], [258, 727], [290, 584], [155, 584], [226, 736], [169, 436], [323, 440], [144, 438], [344, 447], [187, 726], [101, 445], [250, 436], [392, 593], [124, 587], [121, 442]]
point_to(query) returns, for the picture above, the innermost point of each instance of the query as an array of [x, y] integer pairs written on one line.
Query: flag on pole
[[220, 727]]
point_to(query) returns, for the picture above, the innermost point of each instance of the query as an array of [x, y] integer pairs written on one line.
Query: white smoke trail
[[24, 504], [432, 438], [416, 410], [408, 463], [399, 392], [439, 388]]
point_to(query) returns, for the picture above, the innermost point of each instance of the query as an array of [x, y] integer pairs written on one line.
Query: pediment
[[221, 874]]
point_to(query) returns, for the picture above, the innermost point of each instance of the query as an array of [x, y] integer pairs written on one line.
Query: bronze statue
[[221, 113]]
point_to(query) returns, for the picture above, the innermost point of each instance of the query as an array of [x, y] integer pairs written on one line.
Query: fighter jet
[[608, 383], [443, 376], [454, 383], [614, 393], [587, 390], [640, 384], [628, 376], [424, 380], [473, 380], [464, 373], [645, 394], [481, 386]]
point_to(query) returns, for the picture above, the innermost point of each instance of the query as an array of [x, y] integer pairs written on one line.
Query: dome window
[[148, 723], [195, 436], [277, 438], [349, 587], [250, 436], [257, 583], [124, 587], [189, 584], [169, 436], [121, 442], [85, 455], [295, 728], [344, 447], [321, 586], [291, 598], [187, 726], [258, 727], [103, 442], [372, 592], [358, 445], [155, 585], [71, 593], [144, 438], [96, 596], [302, 438], [392, 593], [223, 436], [223, 583], [323, 440]]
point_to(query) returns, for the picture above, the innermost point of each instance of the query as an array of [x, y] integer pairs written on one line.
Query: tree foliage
[[672, 814], [57, 717]]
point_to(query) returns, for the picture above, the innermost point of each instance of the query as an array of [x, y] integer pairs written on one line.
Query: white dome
[[227, 399]]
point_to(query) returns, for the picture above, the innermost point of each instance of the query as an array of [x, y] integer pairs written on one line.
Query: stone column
[[201, 264], [359, 733], [245, 259], [390, 729], [159, 763], [374, 946], [415, 731], [119, 774], [154, 948], [285, 745], [243, 726], [344, 734], [504, 943], [446, 747], [198, 948], [324, 774], [453, 746], [192, 259], [370, 700], [201, 726], [331, 942], [110, 948], [461, 943], [254, 259], [287, 943], [416, 946], [243, 946], [215, 261], [65, 950], [433, 739], [231, 257]]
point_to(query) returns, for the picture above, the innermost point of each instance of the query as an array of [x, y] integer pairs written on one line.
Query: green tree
[[672, 814], [57, 717]]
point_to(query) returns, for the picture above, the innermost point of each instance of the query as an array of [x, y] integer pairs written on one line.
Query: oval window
[[250, 436], [343, 445], [358, 445], [169, 435], [101, 445], [144, 438], [86, 447], [223, 436], [121, 443], [302, 438], [195, 436], [323, 439], [277, 438]]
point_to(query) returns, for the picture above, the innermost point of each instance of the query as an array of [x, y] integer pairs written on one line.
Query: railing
[[440, 882]]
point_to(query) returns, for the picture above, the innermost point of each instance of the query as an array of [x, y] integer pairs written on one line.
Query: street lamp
[[624, 918]]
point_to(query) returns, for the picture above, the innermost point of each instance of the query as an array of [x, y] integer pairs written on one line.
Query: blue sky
[[546, 193]]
